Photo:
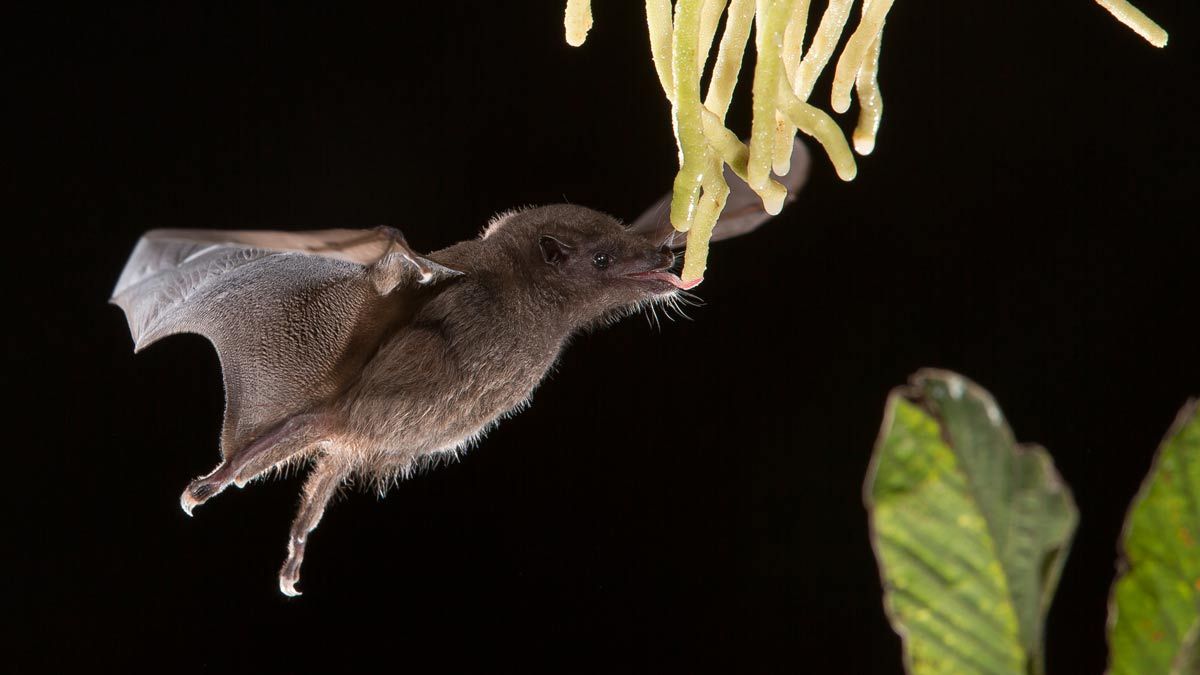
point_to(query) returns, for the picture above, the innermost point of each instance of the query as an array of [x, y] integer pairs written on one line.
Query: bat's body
[[347, 349]]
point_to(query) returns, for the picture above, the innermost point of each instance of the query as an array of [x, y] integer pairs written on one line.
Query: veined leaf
[[1154, 610], [970, 530]]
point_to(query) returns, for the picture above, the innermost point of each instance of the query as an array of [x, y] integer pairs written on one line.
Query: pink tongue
[[670, 278]]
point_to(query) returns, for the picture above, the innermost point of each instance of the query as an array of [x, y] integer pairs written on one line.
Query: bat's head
[[585, 261]]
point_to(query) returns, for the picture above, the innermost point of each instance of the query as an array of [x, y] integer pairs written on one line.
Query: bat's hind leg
[[282, 443], [321, 486]]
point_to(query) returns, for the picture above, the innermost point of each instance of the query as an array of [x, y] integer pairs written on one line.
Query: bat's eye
[[601, 260]]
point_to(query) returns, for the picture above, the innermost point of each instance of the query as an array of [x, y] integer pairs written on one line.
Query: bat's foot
[[289, 574], [201, 490]]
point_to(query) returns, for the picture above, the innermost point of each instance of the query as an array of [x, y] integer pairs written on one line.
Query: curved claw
[[187, 502], [289, 574], [199, 491], [287, 586]]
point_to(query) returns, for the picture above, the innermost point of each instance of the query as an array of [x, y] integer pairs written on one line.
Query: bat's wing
[[291, 314], [743, 210]]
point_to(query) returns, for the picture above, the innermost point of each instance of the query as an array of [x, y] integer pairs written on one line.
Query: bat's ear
[[553, 250]]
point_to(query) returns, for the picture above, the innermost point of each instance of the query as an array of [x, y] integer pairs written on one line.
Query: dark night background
[[1028, 219]]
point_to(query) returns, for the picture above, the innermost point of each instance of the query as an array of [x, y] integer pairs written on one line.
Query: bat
[[348, 350]]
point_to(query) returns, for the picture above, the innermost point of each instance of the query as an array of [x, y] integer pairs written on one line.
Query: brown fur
[[363, 370]]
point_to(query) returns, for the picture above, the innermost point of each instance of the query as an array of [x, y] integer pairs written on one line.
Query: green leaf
[[970, 530], [1154, 610]]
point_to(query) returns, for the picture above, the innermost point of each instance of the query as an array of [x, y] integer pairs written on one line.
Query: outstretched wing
[[743, 210], [291, 314]]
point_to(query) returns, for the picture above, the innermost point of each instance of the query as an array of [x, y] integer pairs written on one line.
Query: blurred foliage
[[971, 530], [1154, 612]]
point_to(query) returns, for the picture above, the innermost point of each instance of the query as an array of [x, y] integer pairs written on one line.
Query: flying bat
[[348, 350]]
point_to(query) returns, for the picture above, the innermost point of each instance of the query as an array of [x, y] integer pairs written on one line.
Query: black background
[[1028, 219]]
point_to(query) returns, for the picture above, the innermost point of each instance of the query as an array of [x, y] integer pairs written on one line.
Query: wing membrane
[[290, 314]]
